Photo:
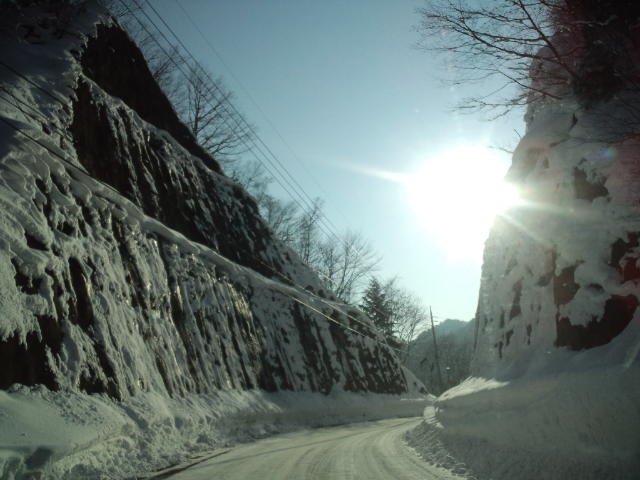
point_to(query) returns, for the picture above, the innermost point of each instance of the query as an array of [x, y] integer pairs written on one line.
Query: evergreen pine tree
[[377, 307]]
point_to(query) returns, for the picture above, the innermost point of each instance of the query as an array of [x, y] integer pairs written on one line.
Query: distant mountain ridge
[[450, 325], [455, 343]]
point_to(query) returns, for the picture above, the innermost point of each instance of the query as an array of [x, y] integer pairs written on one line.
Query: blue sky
[[345, 87]]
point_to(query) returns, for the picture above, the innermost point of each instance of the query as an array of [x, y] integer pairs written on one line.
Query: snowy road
[[372, 450]]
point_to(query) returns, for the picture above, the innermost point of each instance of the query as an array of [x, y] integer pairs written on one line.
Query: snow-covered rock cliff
[[555, 383], [561, 277], [558, 324], [129, 264], [556, 363]]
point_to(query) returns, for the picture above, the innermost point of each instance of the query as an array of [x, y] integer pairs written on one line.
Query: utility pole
[[435, 350]]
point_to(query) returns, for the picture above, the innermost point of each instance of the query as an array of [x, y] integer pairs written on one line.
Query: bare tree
[[165, 65], [329, 261], [498, 39], [208, 113], [408, 314], [282, 217], [252, 176], [307, 232], [345, 263], [121, 11], [201, 101], [544, 48], [163, 59]]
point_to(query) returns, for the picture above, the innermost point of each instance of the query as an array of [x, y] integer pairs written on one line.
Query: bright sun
[[457, 195]]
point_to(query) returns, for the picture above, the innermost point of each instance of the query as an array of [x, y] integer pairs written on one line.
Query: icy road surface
[[371, 451]]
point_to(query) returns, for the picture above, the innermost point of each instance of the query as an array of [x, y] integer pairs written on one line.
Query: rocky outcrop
[[556, 363], [115, 147], [128, 262], [560, 271]]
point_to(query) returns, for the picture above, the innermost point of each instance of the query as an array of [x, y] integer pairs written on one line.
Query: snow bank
[[579, 419], [60, 435], [582, 426]]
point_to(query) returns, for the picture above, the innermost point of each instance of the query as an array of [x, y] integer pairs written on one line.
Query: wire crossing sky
[[354, 112]]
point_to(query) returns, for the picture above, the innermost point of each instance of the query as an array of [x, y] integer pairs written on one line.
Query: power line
[[319, 298], [46, 92], [209, 91], [214, 84], [253, 101], [292, 182], [56, 154], [66, 161], [19, 130], [326, 224], [76, 167], [324, 218], [237, 117], [247, 93], [32, 116]]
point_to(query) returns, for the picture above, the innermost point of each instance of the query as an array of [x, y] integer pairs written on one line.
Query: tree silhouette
[[377, 307], [543, 48]]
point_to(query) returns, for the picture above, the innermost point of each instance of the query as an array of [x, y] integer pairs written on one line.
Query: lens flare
[[457, 195]]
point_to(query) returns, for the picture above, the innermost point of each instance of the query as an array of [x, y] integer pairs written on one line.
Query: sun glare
[[457, 195]]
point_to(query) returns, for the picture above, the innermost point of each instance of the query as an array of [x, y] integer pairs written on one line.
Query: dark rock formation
[[129, 263]]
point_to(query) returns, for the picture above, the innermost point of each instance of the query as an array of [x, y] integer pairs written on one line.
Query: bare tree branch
[[541, 48]]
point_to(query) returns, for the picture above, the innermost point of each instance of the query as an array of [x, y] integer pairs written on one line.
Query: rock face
[[556, 363], [128, 261], [561, 272]]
